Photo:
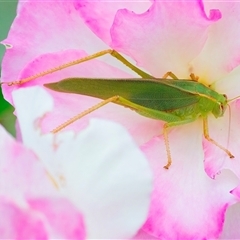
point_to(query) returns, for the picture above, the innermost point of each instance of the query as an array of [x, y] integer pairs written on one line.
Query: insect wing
[[147, 93]]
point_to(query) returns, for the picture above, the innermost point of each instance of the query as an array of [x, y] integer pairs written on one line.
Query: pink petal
[[186, 203], [23, 176], [19, 167], [42, 219], [166, 37], [17, 223], [143, 235], [229, 84], [220, 54], [225, 131], [45, 27], [231, 228], [99, 16], [65, 220]]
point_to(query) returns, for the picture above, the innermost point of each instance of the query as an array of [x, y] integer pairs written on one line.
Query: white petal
[[108, 178], [231, 228], [100, 169], [229, 84]]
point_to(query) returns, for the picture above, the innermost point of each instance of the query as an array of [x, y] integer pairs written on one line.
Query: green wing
[[157, 95]]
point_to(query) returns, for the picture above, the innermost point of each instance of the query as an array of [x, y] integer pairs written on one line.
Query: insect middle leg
[[206, 135], [166, 126]]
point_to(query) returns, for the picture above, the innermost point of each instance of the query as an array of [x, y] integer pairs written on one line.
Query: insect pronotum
[[174, 101]]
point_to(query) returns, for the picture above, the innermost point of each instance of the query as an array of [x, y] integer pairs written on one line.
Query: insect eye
[[221, 106]]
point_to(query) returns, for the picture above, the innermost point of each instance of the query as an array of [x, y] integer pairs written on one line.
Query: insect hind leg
[[84, 113], [112, 52]]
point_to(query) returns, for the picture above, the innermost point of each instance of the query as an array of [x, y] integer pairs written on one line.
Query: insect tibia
[[81, 60], [206, 135], [58, 68], [9, 83], [166, 140], [84, 113]]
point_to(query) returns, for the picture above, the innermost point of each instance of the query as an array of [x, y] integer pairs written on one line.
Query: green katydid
[[175, 101]]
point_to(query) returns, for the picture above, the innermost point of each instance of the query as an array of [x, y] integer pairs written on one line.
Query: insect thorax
[[202, 108]]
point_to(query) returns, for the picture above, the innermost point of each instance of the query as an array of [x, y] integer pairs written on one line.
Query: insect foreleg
[[194, 77], [206, 135]]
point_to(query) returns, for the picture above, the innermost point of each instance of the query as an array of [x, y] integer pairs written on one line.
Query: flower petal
[[36, 30], [63, 217], [220, 54], [41, 219], [231, 228], [94, 162], [117, 178], [229, 84], [224, 131], [166, 37], [186, 203], [99, 16], [22, 176], [143, 235], [17, 223], [19, 166]]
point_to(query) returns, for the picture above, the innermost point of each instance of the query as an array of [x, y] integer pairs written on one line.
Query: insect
[[174, 101]]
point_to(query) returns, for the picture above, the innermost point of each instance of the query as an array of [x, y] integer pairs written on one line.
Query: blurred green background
[[7, 14]]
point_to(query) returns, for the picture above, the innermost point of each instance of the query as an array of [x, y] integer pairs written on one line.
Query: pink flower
[[70, 186], [189, 200]]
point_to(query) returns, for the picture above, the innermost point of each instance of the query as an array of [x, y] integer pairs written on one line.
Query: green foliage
[[7, 14]]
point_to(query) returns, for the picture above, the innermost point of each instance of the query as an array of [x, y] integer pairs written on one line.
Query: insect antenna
[[229, 124], [230, 100]]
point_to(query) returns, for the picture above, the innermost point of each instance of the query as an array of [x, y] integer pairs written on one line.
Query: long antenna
[[229, 124], [230, 100]]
